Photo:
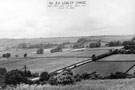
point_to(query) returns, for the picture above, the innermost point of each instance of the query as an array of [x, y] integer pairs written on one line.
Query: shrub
[[93, 75], [118, 75], [77, 78], [44, 76], [65, 79]]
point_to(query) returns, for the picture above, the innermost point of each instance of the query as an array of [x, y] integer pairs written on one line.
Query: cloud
[[32, 18]]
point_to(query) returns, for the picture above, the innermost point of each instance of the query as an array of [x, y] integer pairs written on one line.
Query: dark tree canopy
[[15, 77]]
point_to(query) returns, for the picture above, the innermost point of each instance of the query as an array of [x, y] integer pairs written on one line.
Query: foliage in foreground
[[123, 84], [64, 78]]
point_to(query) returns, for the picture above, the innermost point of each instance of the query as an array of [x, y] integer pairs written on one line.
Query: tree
[[44, 76], [94, 58], [8, 55], [25, 55], [82, 40]]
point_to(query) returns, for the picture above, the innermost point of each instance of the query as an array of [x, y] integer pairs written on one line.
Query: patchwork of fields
[[54, 61], [47, 61]]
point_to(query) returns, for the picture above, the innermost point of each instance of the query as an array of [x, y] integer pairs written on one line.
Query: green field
[[54, 61], [47, 61], [123, 84], [105, 66], [120, 57]]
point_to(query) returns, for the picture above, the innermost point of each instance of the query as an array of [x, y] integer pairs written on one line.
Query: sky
[[34, 19]]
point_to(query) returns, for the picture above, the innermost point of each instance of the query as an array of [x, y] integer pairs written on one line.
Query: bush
[[15, 77], [65, 79], [40, 51], [44, 76], [93, 75], [53, 80], [77, 78]]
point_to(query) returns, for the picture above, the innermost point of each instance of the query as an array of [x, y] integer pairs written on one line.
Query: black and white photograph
[[67, 44]]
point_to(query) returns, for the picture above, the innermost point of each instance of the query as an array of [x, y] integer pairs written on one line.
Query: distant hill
[[4, 43]]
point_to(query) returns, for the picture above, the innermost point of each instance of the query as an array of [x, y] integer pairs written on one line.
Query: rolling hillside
[[4, 43]]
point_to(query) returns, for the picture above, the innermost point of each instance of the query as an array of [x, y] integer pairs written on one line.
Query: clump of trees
[[124, 43], [6, 55], [94, 45], [57, 49], [82, 41], [114, 43], [63, 78], [15, 77], [118, 75], [40, 51]]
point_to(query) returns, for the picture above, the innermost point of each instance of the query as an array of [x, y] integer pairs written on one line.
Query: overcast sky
[[33, 19]]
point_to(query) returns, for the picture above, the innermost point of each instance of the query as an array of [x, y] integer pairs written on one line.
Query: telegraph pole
[[25, 70]]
